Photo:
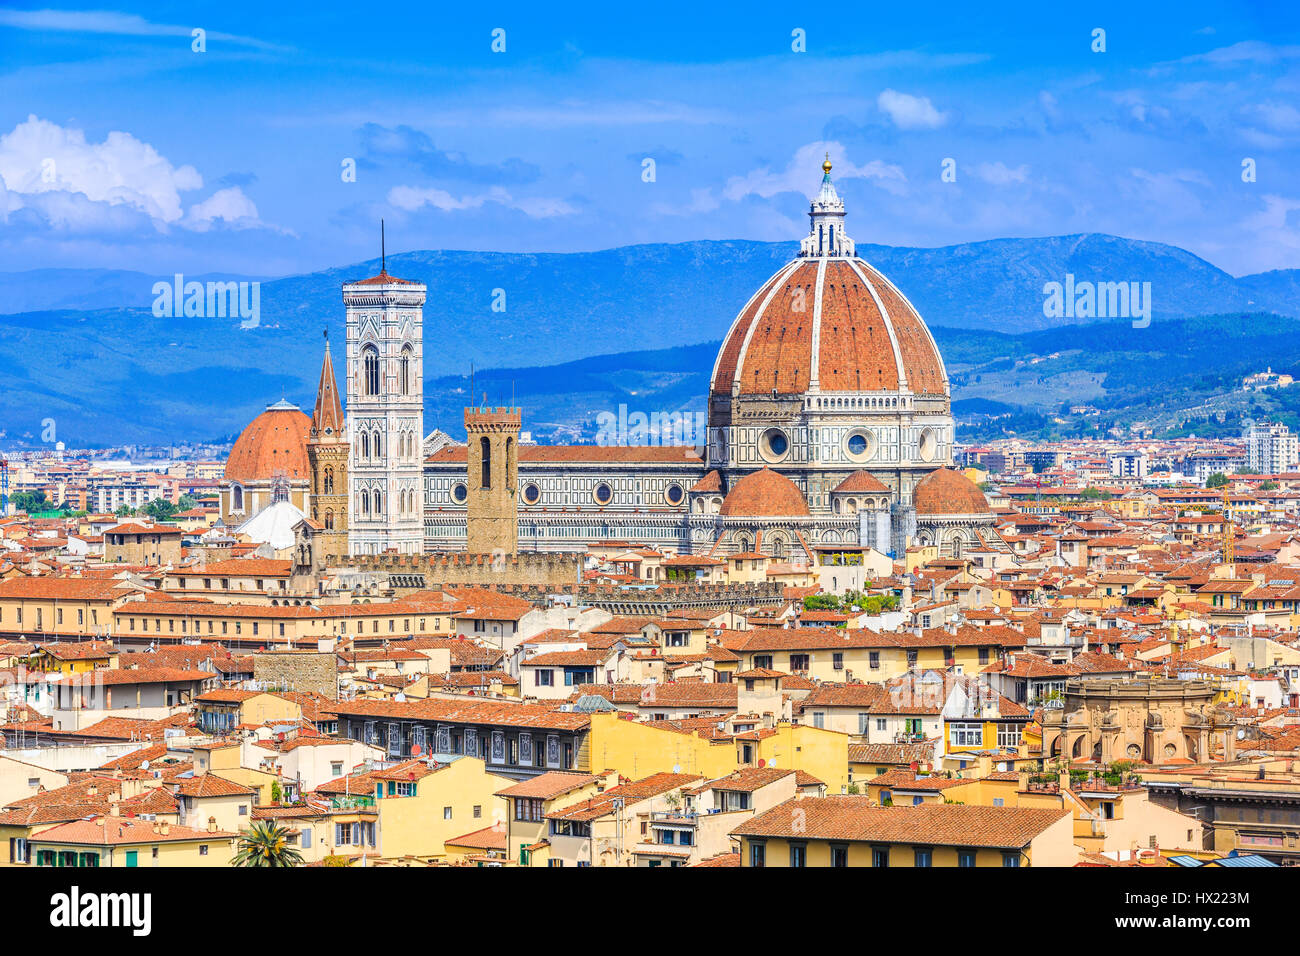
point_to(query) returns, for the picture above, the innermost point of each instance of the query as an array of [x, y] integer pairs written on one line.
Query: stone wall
[[410, 572], [298, 670]]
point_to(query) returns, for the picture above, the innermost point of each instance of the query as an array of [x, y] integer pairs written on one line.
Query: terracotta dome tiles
[[947, 492], [274, 442], [764, 494]]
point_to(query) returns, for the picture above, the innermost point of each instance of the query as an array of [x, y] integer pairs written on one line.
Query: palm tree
[[266, 843]]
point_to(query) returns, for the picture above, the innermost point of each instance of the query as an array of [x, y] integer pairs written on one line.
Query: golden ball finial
[[826, 166]]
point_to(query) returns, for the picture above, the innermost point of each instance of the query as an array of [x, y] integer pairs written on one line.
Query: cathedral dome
[[947, 492], [764, 494], [828, 321], [275, 442]]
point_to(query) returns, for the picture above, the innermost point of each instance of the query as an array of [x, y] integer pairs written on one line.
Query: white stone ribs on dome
[[889, 325], [714, 385], [781, 278], [943, 369], [815, 370]]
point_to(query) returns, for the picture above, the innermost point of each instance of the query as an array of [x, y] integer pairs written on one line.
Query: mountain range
[[573, 334]]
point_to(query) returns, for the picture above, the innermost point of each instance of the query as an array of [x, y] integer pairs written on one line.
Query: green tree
[[266, 844], [1216, 480], [1268, 486], [31, 501], [159, 509]]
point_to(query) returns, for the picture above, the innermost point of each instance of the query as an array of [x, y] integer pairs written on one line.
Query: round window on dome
[[673, 494], [459, 493], [774, 444], [603, 494], [860, 446], [927, 446], [532, 494]]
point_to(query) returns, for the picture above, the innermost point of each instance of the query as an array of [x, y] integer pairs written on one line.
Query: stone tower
[[385, 414], [492, 477], [327, 455]]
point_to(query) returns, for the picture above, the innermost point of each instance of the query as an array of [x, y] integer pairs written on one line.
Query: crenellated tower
[[492, 479]]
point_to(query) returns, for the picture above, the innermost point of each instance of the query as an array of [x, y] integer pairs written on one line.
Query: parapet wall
[[542, 569]]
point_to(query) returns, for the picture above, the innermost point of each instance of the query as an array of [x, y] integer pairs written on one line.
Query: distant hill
[[82, 346]]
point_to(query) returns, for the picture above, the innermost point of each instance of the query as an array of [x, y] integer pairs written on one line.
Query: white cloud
[[112, 23], [804, 172], [121, 184], [1274, 232], [413, 198], [42, 157], [1282, 117], [910, 112], [999, 174], [229, 205]]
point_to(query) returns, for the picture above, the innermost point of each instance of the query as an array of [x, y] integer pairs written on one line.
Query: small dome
[[273, 525], [764, 494], [275, 442], [948, 492], [860, 482]]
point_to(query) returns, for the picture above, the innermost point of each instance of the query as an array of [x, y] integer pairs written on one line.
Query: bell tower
[[327, 455], [385, 424], [492, 477]]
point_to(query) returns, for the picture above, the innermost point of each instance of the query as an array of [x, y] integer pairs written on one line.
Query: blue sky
[[120, 147]]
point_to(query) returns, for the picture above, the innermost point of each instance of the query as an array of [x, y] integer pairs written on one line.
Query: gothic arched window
[[329, 520], [378, 504], [365, 503], [404, 371], [364, 450], [370, 370], [236, 498], [329, 479], [485, 448], [379, 446]]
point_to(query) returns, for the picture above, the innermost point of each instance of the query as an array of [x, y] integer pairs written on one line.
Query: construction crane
[[4, 484], [1229, 534]]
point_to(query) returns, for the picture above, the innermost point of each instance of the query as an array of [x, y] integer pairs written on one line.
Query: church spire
[[327, 418], [826, 233]]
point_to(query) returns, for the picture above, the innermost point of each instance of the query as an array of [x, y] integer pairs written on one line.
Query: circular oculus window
[[774, 444], [860, 446]]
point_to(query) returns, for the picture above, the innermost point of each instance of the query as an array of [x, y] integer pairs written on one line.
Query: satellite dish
[[416, 750], [677, 768], [144, 765], [400, 698], [772, 762], [762, 762]]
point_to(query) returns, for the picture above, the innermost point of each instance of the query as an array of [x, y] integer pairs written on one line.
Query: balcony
[[674, 818], [355, 802]]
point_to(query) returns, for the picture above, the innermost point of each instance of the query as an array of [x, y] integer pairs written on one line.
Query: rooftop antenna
[[383, 250]]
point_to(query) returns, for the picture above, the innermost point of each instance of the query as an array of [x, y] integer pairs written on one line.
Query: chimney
[[1063, 780], [164, 827], [1022, 780]]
